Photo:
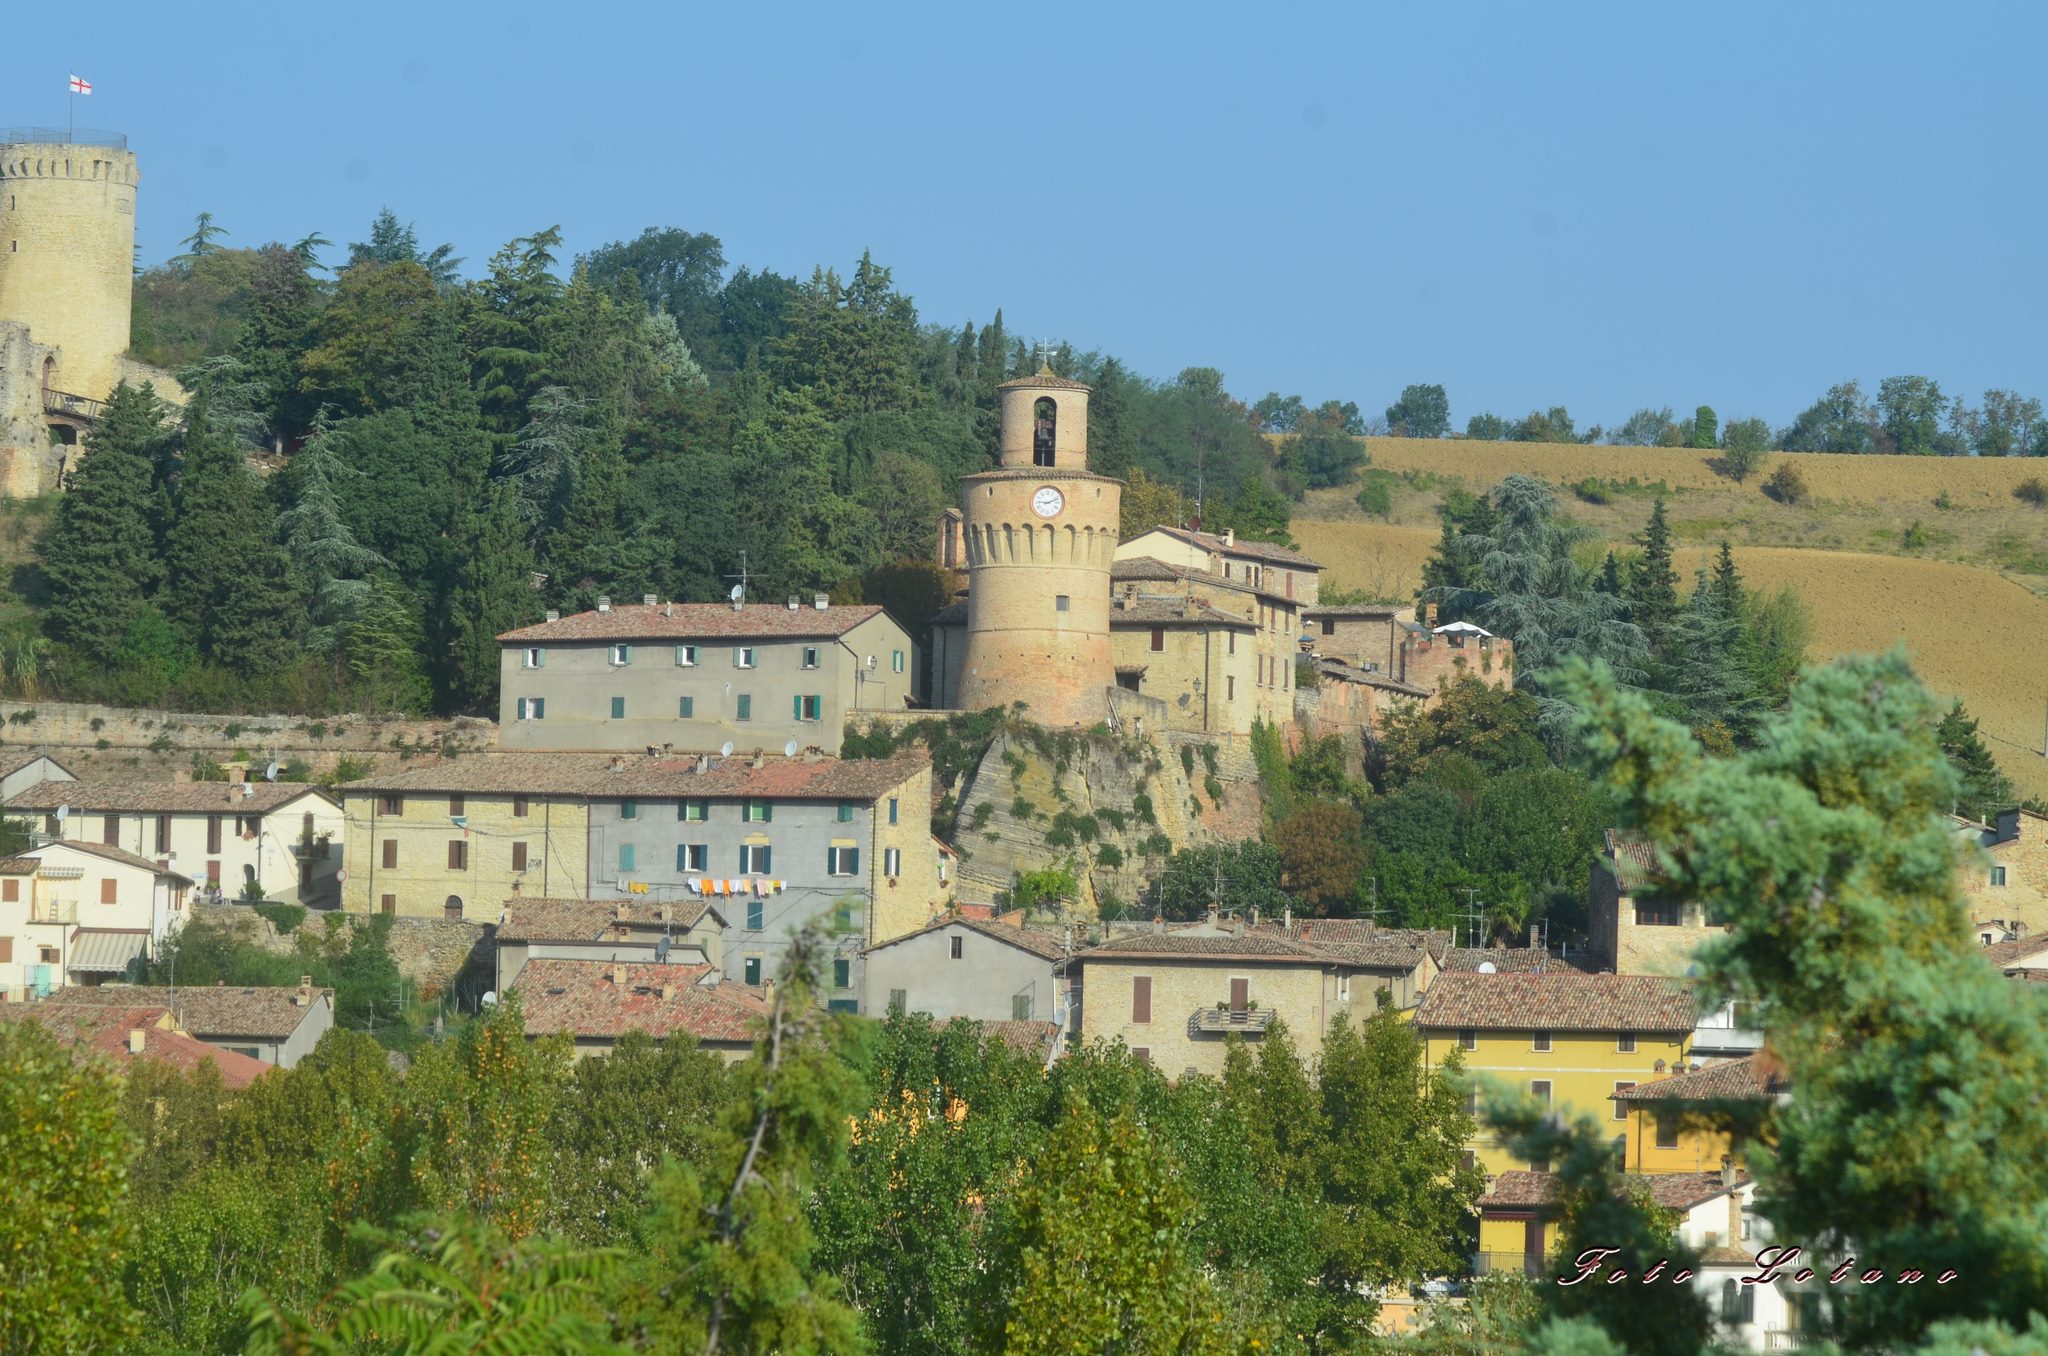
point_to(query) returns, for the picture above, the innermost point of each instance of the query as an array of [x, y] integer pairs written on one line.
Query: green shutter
[[688, 708], [853, 861], [625, 856], [797, 708], [625, 654], [540, 658]]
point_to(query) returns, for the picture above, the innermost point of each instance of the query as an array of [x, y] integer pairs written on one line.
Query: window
[[1059, 602], [387, 903], [1621, 1107], [1343, 988], [759, 812], [686, 656], [455, 807], [896, 661], [693, 856], [1539, 1165], [743, 656], [110, 830], [519, 856], [451, 907], [808, 708], [6, 950], [618, 708], [754, 911], [899, 999], [1020, 1006], [1468, 1160], [458, 856], [1738, 1302], [10, 893], [1625, 1043], [519, 807], [1540, 1043], [686, 708], [48, 955], [695, 811], [627, 855], [1142, 1053], [745, 710], [213, 828], [892, 862], [842, 974], [1141, 998], [535, 656], [842, 861], [846, 812], [1158, 639], [810, 656], [533, 708], [1329, 626], [622, 655], [953, 945], [1468, 1039], [751, 969], [163, 833], [110, 891], [1667, 1132], [1233, 642], [1472, 1104], [1539, 1088], [892, 809], [1656, 913], [1998, 875], [754, 859], [390, 853], [629, 809]]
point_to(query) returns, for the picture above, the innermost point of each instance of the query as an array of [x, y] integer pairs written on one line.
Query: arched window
[[49, 375], [452, 908], [1045, 420]]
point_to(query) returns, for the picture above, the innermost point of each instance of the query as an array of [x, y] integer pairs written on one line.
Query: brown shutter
[[519, 856], [163, 833], [458, 855], [519, 807], [1240, 994], [110, 831], [6, 950], [213, 833], [390, 852], [109, 890], [1141, 998], [389, 903], [10, 890]]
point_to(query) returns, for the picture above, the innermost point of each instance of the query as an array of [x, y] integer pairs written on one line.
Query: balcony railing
[[53, 911], [1210, 1021], [77, 406], [1507, 1263]]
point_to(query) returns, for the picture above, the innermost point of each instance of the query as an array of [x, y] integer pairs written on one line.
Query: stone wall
[[429, 952]]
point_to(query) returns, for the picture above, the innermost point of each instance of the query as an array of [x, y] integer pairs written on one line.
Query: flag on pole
[[80, 86]]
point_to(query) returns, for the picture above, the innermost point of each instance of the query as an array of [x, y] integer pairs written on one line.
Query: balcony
[[75, 406], [1507, 1263], [1222, 1021], [53, 911]]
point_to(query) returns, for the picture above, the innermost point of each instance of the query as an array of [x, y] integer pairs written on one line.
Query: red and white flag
[[79, 86]]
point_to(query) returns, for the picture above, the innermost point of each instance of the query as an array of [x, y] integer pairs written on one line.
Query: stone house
[[975, 968], [125, 1033], [1635, 929], [1432, 655], [596, 1002], [22, 768], [275, 1025], [1347, 699], [2006, 885], [82, 913], [1569, 1039], [1363, 635], [629, 930], [698, 676], [283, 837]]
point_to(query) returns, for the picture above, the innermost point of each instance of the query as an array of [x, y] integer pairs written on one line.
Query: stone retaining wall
[[429, 952]]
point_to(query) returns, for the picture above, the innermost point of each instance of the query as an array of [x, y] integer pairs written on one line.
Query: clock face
[[1047, 502]]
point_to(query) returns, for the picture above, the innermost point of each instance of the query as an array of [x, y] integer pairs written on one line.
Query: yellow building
[[1518, 1215], [1569, 1039], [1684, 1122]]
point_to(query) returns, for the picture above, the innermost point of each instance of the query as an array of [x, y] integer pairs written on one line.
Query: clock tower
[[1041, 533]]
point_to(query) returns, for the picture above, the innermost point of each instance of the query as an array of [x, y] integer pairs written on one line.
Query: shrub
[[1214, 788], [204, 769], [1116, 819], [1141, 807], [1786, 486], [98, 723], [27, 717], [1059, 837], [1109, 855], [252, 890], [1942, 501], [161, 744], [2031, 491], [1187, 759], [232, 729], [285, 917], [1377, 494], [981, 814], [1915, 537], [1209, 758], [1021, 808], [1593, 491]]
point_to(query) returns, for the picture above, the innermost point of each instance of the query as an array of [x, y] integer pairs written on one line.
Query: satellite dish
[[725, 749], [247, 790], [1486, 967], [789, 749], [661, 951], [490, 1000], [270, 772], [739, 591], [64, 811]]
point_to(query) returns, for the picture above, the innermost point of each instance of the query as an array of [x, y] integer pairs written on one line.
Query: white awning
[[95, 951]]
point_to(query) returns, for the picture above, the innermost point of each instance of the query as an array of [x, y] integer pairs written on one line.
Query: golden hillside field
[[1971, 482], [1972, 633]]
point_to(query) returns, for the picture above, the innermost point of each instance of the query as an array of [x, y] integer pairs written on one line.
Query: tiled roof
[[581, 998], [1038, 941], [2003, 954], [1356, 941], [1140, 569], [1195, 946], [1043, 379], [1025, 1037], [1351, 673], [696, 621], [112, 854], [1634, 858], [2027, 976], [1158, 612], [1351, 611], [214, 1010], [104, 1030], [159, 797], [591, 920], [1519, 960], [1567, 1001], [14, 760], [1668, 1190], [1748, 1079], [1062, 474], [1254, 550], [593, 775], [18, 866]]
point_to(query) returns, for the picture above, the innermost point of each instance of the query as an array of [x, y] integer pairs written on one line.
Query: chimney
[[304, 998], [795, 603], [649, 599], [668, 991], [1430, 613], [768, 991], [554, 614], [604, 604], [821, 601], [1532, 936], [758, 761], [1255, 918], [618, 974], [137, 1038], [668, 609], [1734, 1206], [1158, 923], [237, 774], [618, 765], [1215, 913], [1230, 536], [1287, 918]]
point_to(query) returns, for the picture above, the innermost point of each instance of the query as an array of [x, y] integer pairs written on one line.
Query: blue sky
[[1600, 206]]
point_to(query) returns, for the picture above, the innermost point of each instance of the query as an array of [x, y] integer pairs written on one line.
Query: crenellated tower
[[1041, 533], [67, 251]]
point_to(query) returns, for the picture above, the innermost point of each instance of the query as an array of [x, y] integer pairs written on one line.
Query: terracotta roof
[[2003, 954], [1351, 673], [1044, 379], [580, 997], [1557, 1001], [14, 760], [1059, 474], [1025, 1037], [1634, 860], [1197, 946], [592, 920], [18, 866], [1519, 960], [1669, 1190], [157, 797], [2027, 976], [1254, 550], [1038, 941], [591, 775], [1353, 611], [1143, 611], [1142, 568], [1357, 941], [112, 854], [696, 621], [1747, 1079], [104, 1030], [216, 1010]]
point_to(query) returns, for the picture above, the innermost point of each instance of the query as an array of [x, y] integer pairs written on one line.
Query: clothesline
[[755, 886]]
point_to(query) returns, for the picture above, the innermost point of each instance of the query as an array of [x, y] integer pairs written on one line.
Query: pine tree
[[329, 558], [228, 581], [508, 318], [101, 557], [1981, 789], [1652, 590]]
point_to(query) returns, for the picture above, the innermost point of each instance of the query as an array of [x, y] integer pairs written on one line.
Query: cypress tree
[[1981, 789], [1652, 591], [100, 558], [490, 595], [228, 580]]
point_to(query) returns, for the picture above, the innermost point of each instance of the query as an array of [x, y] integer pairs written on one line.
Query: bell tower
[[1041, 532]]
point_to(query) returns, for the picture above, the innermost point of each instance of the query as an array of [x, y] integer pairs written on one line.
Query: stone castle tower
[[1041, 532], [67, 260]]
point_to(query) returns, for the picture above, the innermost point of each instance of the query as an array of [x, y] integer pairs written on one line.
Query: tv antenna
[[1474, 917], [739, 590]]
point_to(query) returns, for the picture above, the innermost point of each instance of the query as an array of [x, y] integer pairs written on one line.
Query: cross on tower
[[1046, 348]]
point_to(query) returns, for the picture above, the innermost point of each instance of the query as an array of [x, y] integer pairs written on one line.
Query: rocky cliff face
[[1111, 808]]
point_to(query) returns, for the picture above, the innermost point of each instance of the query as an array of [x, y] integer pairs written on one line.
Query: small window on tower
[[1045, 418], [1059, 602]]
